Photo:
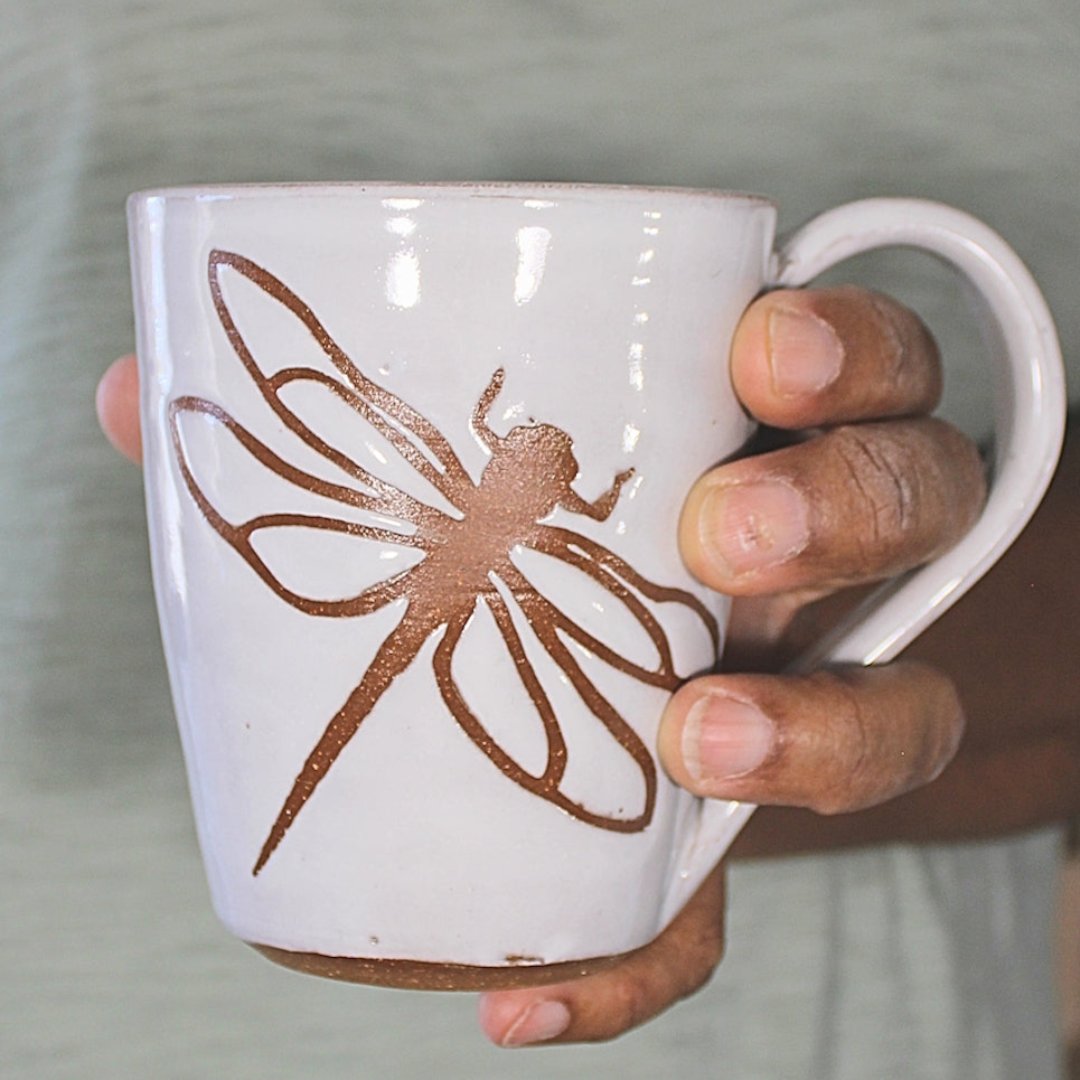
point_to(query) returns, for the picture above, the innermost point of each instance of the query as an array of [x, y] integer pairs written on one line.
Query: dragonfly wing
[[631, 599], [287, 325], [515, 685], [535, 763], [295, 545]]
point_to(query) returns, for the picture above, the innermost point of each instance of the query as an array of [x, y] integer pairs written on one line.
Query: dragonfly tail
[[394, 656]]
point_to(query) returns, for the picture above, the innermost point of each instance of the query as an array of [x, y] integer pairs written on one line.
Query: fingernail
[[805, 354], [724, 738], [538, 1023], [748, 527]]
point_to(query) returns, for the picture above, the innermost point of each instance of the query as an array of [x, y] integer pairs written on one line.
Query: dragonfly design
[[466, 559]]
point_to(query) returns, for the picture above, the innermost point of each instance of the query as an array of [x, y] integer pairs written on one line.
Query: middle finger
[[857, 504]]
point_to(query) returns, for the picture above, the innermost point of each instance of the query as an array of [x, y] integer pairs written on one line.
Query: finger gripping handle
[[1030, 402]]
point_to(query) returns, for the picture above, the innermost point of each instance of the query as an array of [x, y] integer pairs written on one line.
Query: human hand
[[880, 489], [884, 491]]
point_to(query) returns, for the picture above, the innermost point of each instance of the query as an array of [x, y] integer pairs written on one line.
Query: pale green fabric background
[[903, 962]]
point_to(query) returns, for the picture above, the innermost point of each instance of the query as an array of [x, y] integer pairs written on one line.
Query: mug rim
[[518, 189]]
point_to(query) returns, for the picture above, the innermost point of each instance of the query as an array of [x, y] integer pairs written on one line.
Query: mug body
[[415, 457]]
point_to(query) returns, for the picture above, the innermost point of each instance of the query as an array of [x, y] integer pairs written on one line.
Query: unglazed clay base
[[419, 975]]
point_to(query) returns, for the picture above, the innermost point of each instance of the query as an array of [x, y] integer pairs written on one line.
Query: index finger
[[815, 357]]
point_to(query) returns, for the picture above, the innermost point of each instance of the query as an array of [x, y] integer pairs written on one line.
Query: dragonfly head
[[548, 450]]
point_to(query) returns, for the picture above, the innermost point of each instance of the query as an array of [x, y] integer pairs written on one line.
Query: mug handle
[[1029, 390]]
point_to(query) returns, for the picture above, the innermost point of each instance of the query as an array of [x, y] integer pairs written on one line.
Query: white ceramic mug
[[415, 456]]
